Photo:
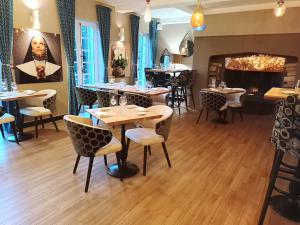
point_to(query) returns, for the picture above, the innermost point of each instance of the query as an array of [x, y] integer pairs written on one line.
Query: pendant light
[[280, 8], [197, 20], [147, 16]]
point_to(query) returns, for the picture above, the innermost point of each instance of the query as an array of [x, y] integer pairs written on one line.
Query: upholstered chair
[[90, 141], [103, 97], [153, 132], [211, 101], [7, 118], [286, 140], [235, 102], [39, 107], [85, 97], [139, 100]]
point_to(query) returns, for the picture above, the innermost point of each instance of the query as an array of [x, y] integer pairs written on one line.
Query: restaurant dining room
[[149, 112]]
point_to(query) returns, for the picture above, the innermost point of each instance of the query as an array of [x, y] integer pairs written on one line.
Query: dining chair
[[235, 102], [154, 131], [103, 97], [7, 118], [39, 107], [85, 97], [139, 100], [91, 141], [211, 101], [286, 140]]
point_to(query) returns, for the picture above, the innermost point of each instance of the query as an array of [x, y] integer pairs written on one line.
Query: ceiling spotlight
[[147, 16], [280, 8]]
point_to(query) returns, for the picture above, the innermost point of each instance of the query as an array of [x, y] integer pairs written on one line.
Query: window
[[144, 60], [88, 55]]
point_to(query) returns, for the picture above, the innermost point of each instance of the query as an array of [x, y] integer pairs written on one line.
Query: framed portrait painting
[[37, 57]]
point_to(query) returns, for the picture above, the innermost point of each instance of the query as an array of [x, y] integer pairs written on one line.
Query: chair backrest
[[211, 100], [237, 97], [286, 130], [85, 96], [163, 124], [103, 97], [86, 138], [139, 100], [48, 101]]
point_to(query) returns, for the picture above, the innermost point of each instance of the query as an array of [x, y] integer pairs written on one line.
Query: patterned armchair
[[85, 96], [90, 141], [139, 100], [211, 101], [103, 98], [154, 131], [40, 106]]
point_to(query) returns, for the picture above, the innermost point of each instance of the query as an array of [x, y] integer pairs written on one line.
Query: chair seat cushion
[[35, 111], [113, 146], [144, 136], [7, 118], [234, 104]]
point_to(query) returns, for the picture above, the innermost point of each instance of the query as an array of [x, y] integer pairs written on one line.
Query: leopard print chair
[[139, 100], [286, 140], [90, 141], [39, 107], [85, 97], [211, 101]]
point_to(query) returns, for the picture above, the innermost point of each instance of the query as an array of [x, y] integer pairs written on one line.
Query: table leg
[[287, 206], [21, 135], [128, 169]]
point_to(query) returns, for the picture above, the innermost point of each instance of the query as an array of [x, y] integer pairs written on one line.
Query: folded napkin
[[29, 92], [141, 109], [103, 114]]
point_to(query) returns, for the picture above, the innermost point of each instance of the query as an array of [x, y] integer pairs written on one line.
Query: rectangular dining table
[[123, 115], [130, 89], [279, 93], [225, 91], [16, 96]]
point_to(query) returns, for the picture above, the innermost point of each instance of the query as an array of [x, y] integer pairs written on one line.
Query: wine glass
[[14, 86], [123, 102], [4, 86], [297, 87], [113, 100]]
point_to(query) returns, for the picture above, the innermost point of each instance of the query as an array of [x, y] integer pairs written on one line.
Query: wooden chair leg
[[241, 114], [178, 101], [76, 164], [192, 96], [2, 131], [79, 108], [199, 117], [89, 174], [166, 153], [42, 122], [270, 187], [119, 165], [36, 127], [13, 126], [232, 115], [145, 160], [185, 99], [105, 160], [53, 121], [207, 112]]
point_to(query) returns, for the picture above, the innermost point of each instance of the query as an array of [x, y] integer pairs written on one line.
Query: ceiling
[[179, 11]]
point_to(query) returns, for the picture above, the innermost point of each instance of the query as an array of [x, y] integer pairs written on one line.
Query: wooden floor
[[219, 176]]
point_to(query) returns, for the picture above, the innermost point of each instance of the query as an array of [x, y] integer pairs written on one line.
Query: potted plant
[[119, 63]]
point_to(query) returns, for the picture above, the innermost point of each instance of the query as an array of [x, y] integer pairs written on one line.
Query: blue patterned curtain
[[153, 36], [135, 24], [66, 11], [103, 16], [6, 38]]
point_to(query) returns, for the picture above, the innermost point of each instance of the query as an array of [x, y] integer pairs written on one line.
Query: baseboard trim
[[45, 120]]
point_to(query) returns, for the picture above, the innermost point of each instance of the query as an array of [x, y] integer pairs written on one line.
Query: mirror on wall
[[186, 47], [165, 58]]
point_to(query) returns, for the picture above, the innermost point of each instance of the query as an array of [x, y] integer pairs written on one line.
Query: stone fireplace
[[255, 72]]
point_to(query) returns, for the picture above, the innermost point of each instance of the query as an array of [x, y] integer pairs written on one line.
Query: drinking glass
[[4, 86], [113, 100], [297, 87], [123, 102], [14, 86]]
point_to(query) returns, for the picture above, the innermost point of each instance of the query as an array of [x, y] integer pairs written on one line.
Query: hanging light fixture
[[197, 20], [147, 16], [280, 8]]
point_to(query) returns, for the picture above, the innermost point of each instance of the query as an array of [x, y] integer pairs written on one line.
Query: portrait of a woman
[[39, 64]]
